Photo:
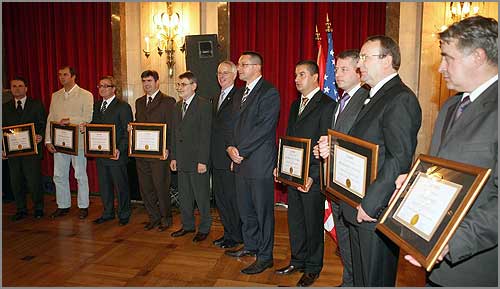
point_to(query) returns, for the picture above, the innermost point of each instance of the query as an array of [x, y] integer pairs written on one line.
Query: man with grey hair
[[222, 175], [466, 130]]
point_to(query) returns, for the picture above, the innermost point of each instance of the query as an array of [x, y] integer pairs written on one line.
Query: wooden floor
[[72, 252]]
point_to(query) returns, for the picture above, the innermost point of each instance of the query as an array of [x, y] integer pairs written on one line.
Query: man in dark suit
[[310, 116], [190, 156], [253, 152], [112, 172], [154, 174], [25, 170], [349, 80], [222, 176], [466, 130]]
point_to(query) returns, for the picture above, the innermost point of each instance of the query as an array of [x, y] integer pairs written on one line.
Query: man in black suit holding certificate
[[310, 117], [113, 172]]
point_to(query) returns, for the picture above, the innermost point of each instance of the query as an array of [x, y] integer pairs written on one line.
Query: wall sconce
[[461, 10], [168, 30]]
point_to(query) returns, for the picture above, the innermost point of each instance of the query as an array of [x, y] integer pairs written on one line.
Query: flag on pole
[[328, 222], [329, 87], [320, 60]]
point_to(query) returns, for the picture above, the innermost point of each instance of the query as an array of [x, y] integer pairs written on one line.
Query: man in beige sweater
[[69, 105]]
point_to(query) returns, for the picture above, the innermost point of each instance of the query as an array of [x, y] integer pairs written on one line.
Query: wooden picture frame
[[293, 161], [351, 167], [148, 140], [100, 140], [64, 138], [19, 140], [429, 206]]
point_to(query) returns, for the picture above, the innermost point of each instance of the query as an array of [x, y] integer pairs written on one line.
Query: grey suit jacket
[[346, 119], [472, 139]]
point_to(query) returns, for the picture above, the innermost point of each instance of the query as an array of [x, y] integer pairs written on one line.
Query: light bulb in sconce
[[146, 51]]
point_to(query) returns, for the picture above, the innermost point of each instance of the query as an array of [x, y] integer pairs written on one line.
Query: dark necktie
[[343, 101], [150, 100], [19, 107], [245, 95], [184, 108], [462, 106], [104, 106]]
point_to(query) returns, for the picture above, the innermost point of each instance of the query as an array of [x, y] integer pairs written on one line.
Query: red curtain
[[283, 33], [39, 38]]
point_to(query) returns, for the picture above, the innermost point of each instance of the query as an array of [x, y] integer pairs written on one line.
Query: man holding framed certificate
[[310, 116], [112, 172], [25, 169]]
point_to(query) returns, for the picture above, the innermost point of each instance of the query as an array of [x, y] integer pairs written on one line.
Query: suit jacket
[[222, 128], [161, 110], [254, 134], [312, 123], [391, 119], [118, 113], [33, 112], [191, 137], [346, 119], [472, 139]]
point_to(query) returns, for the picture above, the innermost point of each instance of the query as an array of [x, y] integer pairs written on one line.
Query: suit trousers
[[61, 179], [25, 173], [111, 179], [195, 187], [255, 198], [344, 245], [374, 258], [154, 184], [225, 198], [305, 224]]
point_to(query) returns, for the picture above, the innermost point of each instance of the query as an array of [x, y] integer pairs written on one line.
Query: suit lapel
[[251, 96], [155, 102], [378, 96], [191, 108], [311, 106], [351, 111], [226, 100]]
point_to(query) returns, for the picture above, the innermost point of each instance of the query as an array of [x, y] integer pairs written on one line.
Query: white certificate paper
[[63, 138], [291, 161], [99, 141], [349, 170], [19, 140], [147, 140], [426, 203]]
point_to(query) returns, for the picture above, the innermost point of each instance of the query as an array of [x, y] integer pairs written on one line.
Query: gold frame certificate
[[351, 167], [64, 138], [429, 206], [19, 140], [100, 140], [148, 140], [293, 161]]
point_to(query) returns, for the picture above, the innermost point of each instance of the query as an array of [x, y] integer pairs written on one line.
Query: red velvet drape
[[284, 34], [39, 38]]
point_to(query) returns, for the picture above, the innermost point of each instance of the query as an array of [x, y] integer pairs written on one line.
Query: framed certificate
[[19, 140], [100, 140], [351, 167], [148, 140], [65, 138], [430, 205], [293, 160]]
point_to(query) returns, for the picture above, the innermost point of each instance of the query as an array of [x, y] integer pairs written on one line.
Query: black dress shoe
[[84, 212], [307, 279], [151, 225], [218, 242], [123, 222], [239, 253], [228, 244], [257, 267], [101, 220], [289, 270], [181, 232], [38, 214], [19, 216], [199, 237], [59, 212]]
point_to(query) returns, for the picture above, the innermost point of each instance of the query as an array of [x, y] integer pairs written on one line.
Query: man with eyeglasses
[[191, 155], [390, 117], [222, 175], [71, 104], [112, 172], [25, 170], [154, 174], [253, 152]]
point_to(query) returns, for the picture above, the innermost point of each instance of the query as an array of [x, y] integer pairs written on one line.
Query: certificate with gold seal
[[148, 140], [19, 140], [293, 161], [64, 138], [100, 140], [429, 206], [351, 167]]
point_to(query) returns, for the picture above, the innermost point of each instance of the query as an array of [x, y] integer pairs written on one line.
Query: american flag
[[329, 87]]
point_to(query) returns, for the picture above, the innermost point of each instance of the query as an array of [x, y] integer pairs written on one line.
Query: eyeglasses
[[181, 84], [105, 86], [224, 73], [246, 64], [363, 57]]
